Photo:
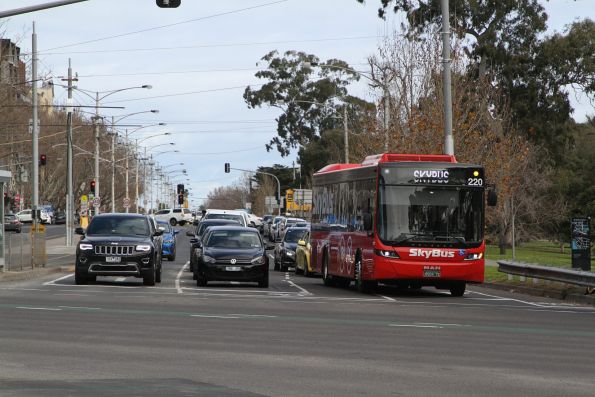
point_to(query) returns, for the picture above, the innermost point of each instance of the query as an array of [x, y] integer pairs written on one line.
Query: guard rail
[[569, 276]]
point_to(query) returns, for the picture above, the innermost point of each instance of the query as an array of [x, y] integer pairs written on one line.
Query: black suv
[[119, 245]]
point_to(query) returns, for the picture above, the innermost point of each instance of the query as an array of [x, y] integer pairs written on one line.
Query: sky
[[199, 58]]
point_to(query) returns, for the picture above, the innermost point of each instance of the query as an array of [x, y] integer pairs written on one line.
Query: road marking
[[414, 326], [234, 282], [445, 325], [178, 288], [388, 298], [39, 308], [58, 279], [304, 291], [60, 257], [120, 279], [213, 316], [254, 315], [509, 299], [80, 307]]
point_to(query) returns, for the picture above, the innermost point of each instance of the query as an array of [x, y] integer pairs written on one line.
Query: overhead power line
[[186, 93], [237, 11], [249, 44]]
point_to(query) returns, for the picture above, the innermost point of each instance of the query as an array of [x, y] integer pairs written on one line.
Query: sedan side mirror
[[80, 231]]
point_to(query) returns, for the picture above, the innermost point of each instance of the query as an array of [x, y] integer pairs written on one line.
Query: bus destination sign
[[459, 176]]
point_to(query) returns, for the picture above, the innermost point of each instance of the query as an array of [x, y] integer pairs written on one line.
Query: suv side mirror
[[80, 231], [368, 222], [492, 198]]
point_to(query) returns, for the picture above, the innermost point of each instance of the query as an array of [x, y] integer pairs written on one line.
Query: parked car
[[175, 216], [12, 223], [199, 231], [119, 245], [168, 246], [240, 216], [60, 218], [232, 253], [49, 210], [285, 250], [303, 252], [24, 216]]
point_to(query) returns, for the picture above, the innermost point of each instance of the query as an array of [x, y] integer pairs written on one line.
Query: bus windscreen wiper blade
[[404, 237], [456, 238]]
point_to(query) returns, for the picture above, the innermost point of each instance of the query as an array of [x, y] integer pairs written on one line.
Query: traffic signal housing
[[227, 168], [43, 159], [180, 190], [168, 3], [92, 187]]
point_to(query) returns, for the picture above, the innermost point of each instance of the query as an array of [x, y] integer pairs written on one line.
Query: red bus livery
[[400, 219]]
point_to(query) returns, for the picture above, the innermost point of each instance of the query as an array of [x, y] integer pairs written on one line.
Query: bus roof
[[390, 158]]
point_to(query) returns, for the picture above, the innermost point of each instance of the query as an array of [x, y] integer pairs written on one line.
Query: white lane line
[[180, 275], [388, 298], [58, 279], [445, 325], [80, 307], [213, 316], [234, 282], [120, 279], [253, 315], [414, 326], [287, 276], [39, 308], [304, 291], [509, 299]]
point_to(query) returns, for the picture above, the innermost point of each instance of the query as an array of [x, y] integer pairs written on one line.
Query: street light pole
[[35, 147], [126, 165], [96, 202], [69, 192], [113, 166], [446, 84], [345, 133]]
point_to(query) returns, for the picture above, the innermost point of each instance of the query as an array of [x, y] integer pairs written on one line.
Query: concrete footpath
[[60, 258]]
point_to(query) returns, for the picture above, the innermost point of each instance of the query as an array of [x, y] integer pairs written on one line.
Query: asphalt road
[[296, 338], [51, 231]]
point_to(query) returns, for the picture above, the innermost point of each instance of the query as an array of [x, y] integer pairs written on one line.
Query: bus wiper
[[456, 238], [404, 237]]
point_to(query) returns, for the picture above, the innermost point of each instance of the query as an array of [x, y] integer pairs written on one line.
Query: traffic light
[[168, 3], [180, 193], [227, 168], [42, 159], [92, 187]]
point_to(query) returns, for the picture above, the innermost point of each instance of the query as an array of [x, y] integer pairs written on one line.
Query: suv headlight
[[259, 260], [289, 253], [208, 259], [143, 248], [85, 247]]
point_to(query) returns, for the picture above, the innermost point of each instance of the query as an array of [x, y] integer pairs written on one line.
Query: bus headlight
[[387, 254], [474, 257]]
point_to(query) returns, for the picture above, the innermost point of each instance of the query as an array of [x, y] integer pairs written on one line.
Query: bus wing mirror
[[368, 222], [492, 198]]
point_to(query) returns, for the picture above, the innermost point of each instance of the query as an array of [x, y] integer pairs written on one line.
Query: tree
[[305, 96]]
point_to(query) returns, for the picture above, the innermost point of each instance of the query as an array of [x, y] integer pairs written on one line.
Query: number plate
[[432, 273], [233, 268], [113, 259]]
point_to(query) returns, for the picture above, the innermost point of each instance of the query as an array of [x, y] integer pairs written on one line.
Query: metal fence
[[576, 277], [17, 250]]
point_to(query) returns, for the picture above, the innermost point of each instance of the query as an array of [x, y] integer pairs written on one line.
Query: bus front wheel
[[363, 286], [326, 277], [458, 289]]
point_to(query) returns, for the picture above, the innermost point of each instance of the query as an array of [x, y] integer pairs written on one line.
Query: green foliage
[[304, 93], [285, 175]]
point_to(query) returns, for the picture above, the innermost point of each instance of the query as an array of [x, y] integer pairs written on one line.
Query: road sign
[[96, 202], [271, 201], [126, 202]]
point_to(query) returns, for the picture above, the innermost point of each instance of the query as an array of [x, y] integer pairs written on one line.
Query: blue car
[[168, 249]]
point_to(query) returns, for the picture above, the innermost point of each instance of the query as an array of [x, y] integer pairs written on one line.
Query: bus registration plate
[[431, 271]]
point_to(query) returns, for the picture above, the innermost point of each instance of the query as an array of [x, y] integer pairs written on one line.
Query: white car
[[25, 216], [174, 216], [235, 215]]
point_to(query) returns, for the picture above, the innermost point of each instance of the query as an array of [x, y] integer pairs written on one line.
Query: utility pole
[[69, 160], [386, 111], [113, 166], [145, 202], [136, 184], [446, 84], [345, 133], [126, 166], [96, 131], [36, 236]]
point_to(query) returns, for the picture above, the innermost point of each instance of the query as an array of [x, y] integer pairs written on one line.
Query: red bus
[[400, 219]]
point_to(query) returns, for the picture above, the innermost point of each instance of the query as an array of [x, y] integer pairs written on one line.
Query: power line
[[186, 93], [256, 43], [226, 152], [170, 25]]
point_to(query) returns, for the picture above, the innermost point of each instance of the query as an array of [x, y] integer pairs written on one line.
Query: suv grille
[[114, 249]]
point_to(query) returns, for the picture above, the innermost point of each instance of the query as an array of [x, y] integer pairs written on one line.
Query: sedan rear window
[[233, 239]]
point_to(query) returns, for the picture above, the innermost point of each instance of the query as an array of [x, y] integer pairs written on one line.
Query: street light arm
[[119, 90], [269, 174]]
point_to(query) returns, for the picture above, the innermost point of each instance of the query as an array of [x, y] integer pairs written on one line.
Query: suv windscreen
[[293, 235], [118, 225], [231, 217]]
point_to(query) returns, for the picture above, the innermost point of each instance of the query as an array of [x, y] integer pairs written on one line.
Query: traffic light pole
[[269, 174]]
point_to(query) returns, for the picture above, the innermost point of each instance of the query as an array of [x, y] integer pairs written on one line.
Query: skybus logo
[[431, 176], [421, 253]]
